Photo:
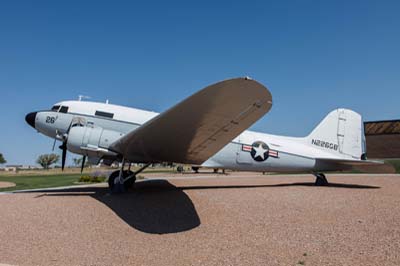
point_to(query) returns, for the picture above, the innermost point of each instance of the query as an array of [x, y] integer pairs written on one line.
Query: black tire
[[195, 169], [127, 184], [111, 179], [131, 181], [321, 180]]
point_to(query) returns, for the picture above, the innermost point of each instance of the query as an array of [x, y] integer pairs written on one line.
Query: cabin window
[[104, 114], [55, 108], [64, 109]]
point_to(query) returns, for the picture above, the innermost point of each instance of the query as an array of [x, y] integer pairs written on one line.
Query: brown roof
[[383, 139], [382, 127]]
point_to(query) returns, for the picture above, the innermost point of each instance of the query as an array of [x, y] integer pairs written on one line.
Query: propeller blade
[[55, 139], [63, 147], [83, 163], [54, 143]]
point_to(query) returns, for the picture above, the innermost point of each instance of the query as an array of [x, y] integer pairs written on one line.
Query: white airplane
[[208, 129]]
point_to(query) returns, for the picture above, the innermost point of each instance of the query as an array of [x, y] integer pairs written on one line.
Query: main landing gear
[[121, 180], [320, 179]]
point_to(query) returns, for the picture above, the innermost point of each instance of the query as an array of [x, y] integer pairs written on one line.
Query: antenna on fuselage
[[81, 97]]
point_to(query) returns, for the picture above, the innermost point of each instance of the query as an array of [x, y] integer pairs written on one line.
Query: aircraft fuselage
[[92, 127]]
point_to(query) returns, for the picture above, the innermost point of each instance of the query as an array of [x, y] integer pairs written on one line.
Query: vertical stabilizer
[[339, 133]]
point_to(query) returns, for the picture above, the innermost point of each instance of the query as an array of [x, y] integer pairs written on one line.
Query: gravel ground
[[240, 219], [6, 184]]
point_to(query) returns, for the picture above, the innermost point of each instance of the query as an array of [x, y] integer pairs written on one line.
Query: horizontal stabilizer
[[349, 162]]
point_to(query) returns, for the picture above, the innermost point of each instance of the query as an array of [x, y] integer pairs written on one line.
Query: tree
[[46, 160], [2, 160], [77, 161]]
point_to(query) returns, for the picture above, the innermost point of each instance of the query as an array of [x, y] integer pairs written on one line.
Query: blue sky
[[314, 56]]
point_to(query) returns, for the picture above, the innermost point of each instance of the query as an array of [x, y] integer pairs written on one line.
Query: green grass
[[32, 181], [156, 171], [39, 181]]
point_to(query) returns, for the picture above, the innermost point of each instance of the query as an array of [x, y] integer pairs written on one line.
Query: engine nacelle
[[92, 141]]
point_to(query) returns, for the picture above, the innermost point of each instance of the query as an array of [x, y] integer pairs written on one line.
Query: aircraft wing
[[199, 126]]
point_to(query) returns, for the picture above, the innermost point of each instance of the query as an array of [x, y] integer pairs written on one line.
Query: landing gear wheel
[[195, 169], [117, 187], [111, 180], [321, 180], [130, 183]]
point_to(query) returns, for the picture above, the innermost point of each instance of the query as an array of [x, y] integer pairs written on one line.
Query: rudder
[[340, 133]]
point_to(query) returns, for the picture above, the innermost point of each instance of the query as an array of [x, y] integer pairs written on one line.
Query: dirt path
[[6, 184]]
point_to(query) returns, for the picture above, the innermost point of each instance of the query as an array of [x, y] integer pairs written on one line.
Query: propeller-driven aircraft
[[207, 129]]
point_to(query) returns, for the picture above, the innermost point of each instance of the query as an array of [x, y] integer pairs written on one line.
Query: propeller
[[83, 163], [55, 139], [63, 147], [54, 143]]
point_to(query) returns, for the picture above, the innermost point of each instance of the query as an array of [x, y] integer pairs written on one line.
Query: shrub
[[84, 179], [96, 177]]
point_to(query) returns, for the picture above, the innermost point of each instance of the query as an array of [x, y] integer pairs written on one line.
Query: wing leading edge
[[199, 126]]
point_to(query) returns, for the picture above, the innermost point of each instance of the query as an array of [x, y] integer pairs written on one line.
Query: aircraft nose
[[30, 119]]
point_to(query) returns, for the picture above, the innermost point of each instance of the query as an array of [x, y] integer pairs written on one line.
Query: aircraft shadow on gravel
[[306, 184], [159, 207], [154, 207]]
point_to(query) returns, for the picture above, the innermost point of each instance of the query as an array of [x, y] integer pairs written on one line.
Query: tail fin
[[341, 133]]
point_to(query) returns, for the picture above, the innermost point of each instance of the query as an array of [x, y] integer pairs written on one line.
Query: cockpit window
[[64, 109], [55, 108]]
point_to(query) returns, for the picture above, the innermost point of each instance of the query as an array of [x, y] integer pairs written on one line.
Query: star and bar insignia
[[260, 151]]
